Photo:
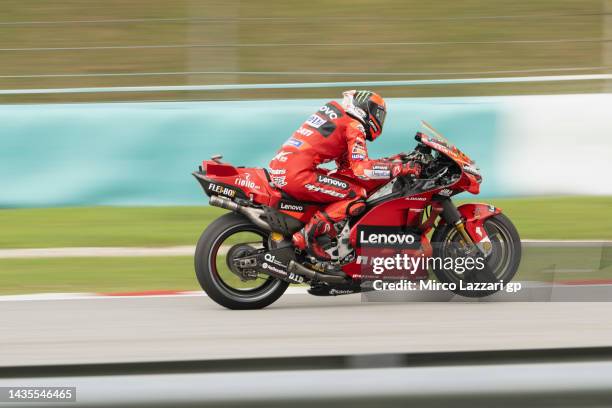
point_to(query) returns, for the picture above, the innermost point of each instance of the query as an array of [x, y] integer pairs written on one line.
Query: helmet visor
[[379, 113]]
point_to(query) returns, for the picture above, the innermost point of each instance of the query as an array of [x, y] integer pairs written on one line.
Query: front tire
[[208, 270], [503, 262]]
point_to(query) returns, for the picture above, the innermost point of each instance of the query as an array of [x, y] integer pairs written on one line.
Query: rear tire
[[213, 284], [503, 262]]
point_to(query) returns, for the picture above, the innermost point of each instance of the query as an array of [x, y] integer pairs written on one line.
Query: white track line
[[188, 250], [89, 252], [292, 290], [307, 85]]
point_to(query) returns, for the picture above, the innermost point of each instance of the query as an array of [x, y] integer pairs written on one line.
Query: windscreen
[[449, 149], [434, 134]]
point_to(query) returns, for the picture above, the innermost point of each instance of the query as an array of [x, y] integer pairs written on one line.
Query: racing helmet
[[367, 107]]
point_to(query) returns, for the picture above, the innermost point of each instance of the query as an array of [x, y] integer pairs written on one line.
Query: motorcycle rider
[[335, 132]]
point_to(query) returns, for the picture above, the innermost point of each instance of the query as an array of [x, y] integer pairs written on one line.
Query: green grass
[[104, 226], [313, 22], [559, 217], [105, 275], [96, 275], [537, 218]]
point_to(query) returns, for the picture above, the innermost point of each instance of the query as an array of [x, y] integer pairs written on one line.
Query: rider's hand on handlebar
[[400, 157], [411, 168]]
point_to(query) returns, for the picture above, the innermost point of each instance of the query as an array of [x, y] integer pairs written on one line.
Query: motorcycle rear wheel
[[503, 262], [231, 293]]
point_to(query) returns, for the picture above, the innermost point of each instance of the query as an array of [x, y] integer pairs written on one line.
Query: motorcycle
[[245, 259]]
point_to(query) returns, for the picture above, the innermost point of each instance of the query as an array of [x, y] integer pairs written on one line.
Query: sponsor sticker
[[373, 125], [279, 181], [471, 169], [245, 181], [315, 121], [289, 206], [357, 156], [304, 132], [319, 189], [277, 172], [336, 292], [358, 149], [281, 156], [387, 237], [378, 173], [330, 111], [221, 190], [294, 142], [332, 182]]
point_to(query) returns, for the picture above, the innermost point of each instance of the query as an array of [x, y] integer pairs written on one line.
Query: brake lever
[[440, 173]]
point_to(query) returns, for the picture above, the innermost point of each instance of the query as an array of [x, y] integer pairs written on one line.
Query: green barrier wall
[[143, 153]]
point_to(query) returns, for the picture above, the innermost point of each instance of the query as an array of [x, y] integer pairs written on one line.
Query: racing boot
[[318, 232]]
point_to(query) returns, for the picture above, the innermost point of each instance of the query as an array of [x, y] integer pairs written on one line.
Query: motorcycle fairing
[[470, 177], [252, 184], [400, 215]]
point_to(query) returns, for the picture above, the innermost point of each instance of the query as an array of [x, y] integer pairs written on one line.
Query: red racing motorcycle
[[245, 259]]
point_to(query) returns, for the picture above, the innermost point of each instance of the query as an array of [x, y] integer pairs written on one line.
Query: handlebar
[[421, 154]]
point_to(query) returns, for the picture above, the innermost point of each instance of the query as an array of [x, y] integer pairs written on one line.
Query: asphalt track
[[164, 328]]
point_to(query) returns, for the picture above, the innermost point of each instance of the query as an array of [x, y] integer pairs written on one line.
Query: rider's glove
[[400, 157], [411, 168]]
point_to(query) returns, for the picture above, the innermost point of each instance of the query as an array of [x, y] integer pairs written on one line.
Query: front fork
[[474, 235]]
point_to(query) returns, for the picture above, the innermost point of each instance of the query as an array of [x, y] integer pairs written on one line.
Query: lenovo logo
[[330, 111], [332, 182], [387, 237], [291, 207]]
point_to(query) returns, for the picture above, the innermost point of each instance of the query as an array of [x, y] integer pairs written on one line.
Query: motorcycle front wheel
[[229, 236], [502, 263]]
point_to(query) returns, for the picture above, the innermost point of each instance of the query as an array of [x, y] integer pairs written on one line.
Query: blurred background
[[86, 163], [65, 44]]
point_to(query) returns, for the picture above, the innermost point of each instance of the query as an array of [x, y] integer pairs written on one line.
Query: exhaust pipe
[[253, 214], [301, 270]]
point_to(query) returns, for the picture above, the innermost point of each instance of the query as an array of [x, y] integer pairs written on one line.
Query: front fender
[[474, 216]]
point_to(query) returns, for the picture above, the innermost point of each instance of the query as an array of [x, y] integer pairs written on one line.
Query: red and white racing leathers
[[329, 134]]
